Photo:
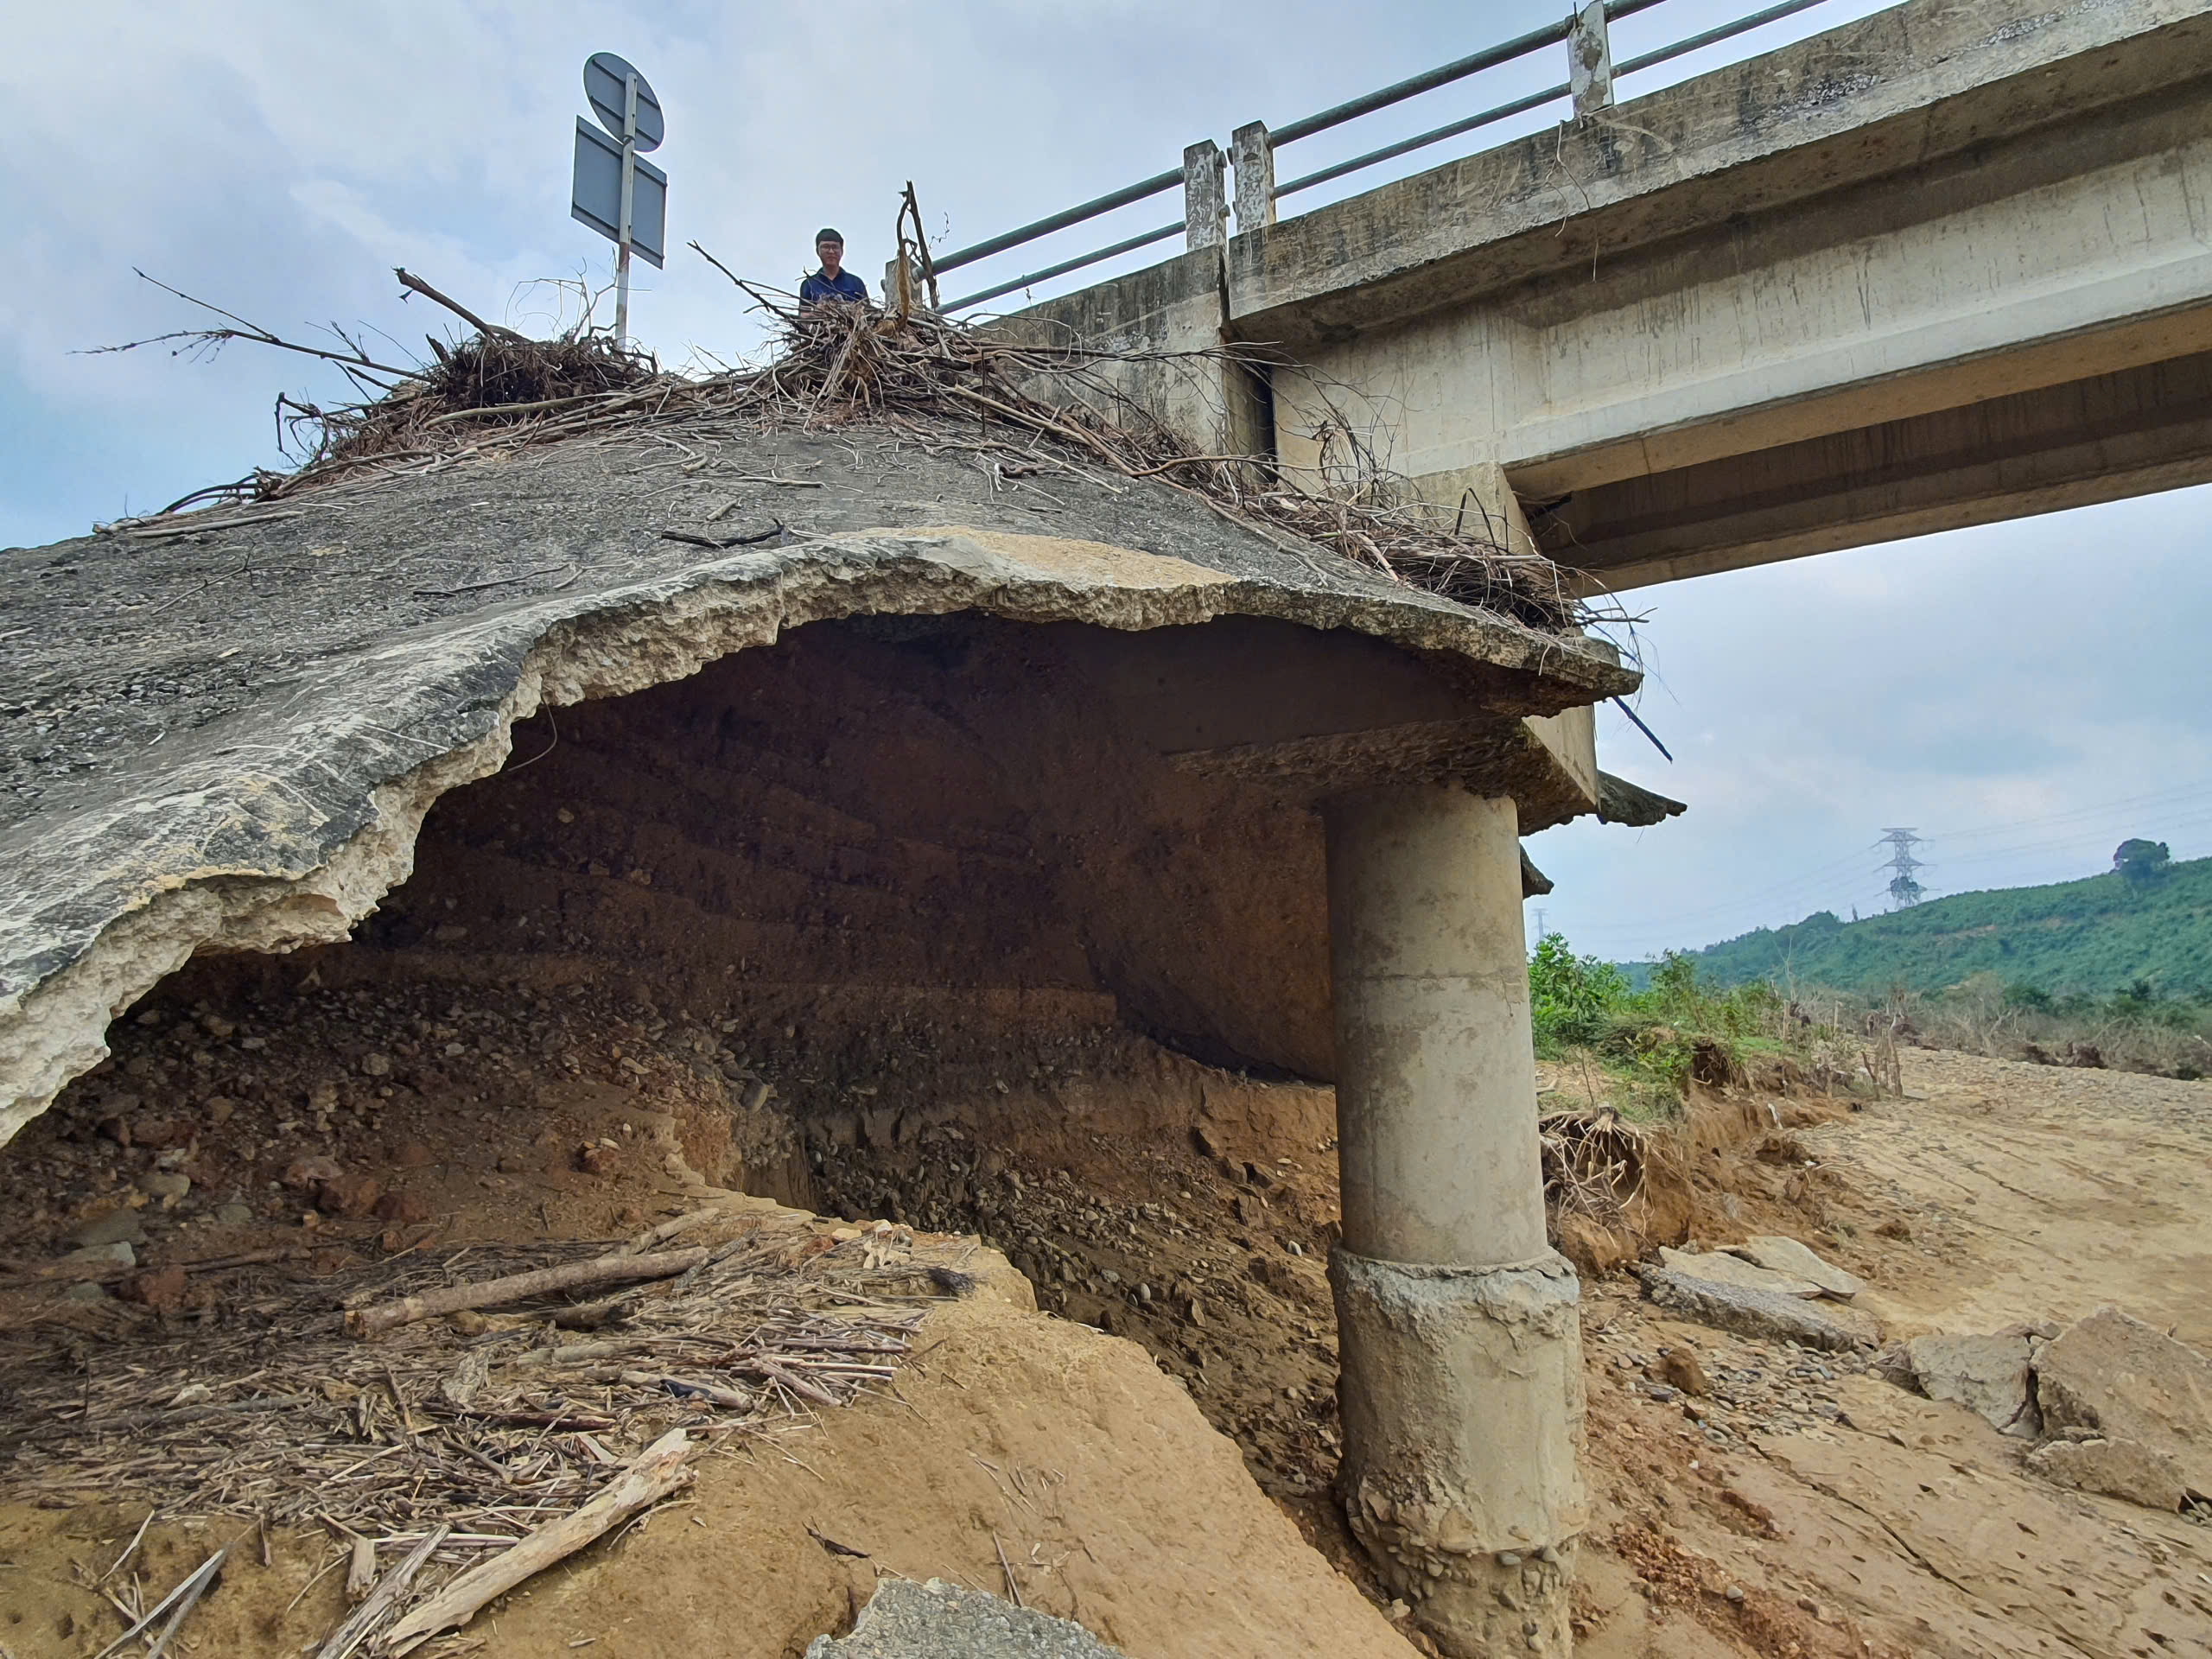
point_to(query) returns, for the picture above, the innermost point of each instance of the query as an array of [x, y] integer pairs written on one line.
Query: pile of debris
[[1029, 408], [386, 1405]]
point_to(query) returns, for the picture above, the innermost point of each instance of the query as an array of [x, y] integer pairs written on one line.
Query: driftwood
[[683, 1223], [656, 1472], [360, 1571], [602, 1270], [381, 1602]]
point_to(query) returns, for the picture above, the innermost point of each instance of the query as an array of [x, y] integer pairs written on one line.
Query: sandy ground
[[1902, 1525], [1148, 1460], [2038, 1192]]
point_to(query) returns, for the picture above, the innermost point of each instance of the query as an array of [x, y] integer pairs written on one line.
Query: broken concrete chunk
[[1719, 1267], [937, 1620], [2122, 1469], [2130, 1382], [1758, 1313], [1779, 1254], [1986, 1374]]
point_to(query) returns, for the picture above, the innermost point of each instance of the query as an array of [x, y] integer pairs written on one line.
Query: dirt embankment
[[1188, 1210]]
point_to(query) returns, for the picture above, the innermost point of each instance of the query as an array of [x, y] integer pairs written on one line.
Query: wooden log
[[683, 1223], [382, 1600], [519, 1287], [656, 1472]]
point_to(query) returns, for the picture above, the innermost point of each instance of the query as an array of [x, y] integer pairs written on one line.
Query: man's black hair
[[825, 234]]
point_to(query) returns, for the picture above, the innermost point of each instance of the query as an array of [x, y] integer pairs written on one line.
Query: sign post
[[624, 199]]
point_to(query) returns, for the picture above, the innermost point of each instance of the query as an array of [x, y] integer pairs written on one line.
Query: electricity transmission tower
[[1903, 888]]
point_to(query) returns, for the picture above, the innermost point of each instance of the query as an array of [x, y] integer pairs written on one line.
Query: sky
[[2025, 695]]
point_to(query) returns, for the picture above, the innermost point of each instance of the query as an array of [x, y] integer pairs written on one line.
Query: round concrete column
[[1457, 1327], [1436, 1078]]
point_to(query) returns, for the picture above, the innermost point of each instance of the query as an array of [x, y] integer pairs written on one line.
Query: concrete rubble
[[2130, 1383], [1758, 1313], [2122, 1409], [1986, 1374], [1719, 1268], [1787, 1255], [937, 1620], [2121, 1469]]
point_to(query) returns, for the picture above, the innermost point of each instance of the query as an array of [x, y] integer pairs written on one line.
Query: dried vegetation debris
[[1029, 409], [481, 1424]]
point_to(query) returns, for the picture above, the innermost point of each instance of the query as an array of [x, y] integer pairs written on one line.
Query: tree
[[2140, 862]]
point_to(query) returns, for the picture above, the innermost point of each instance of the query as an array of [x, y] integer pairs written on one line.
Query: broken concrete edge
[[2113, 1376], [1462, 1399], [107, 928]]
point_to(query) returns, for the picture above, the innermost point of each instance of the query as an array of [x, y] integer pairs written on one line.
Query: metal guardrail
[[1591, 72]]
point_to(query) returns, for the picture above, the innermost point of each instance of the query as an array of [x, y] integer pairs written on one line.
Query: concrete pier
[[1461, 1391]]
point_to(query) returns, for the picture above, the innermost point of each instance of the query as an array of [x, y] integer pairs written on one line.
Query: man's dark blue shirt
[[843, 286]]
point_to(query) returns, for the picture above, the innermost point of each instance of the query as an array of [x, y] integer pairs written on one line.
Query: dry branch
[[409, 280], [180, 1599], [1058, 405], [656, 1472], [603, 1270], [360, 1571]]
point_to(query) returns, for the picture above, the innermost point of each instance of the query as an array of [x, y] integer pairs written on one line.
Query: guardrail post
[[1205, 205], [1589, 61], [1253, 155]]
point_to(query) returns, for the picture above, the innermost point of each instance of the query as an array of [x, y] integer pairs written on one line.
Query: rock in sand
[[937, 1620]]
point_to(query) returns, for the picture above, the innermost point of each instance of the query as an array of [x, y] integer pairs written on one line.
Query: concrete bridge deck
[[1943, 266]]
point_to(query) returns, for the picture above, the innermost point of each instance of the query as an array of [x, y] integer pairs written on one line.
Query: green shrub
[[1572, 999]]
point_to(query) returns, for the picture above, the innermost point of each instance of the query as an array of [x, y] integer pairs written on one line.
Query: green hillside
[[2096, 936]]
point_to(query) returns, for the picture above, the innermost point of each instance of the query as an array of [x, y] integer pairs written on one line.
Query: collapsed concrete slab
[[239, 754], [1153, 767], [1722, 1268], [2124, 1468], [1779, 1254], [1758, 1313]]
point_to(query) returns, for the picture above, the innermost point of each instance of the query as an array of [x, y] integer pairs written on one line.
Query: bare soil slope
[[1189, 1210]]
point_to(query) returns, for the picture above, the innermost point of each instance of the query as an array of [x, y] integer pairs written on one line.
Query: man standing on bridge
[[832, 284]]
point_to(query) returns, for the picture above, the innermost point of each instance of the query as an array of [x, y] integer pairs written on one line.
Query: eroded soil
[[1785, 1503]]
